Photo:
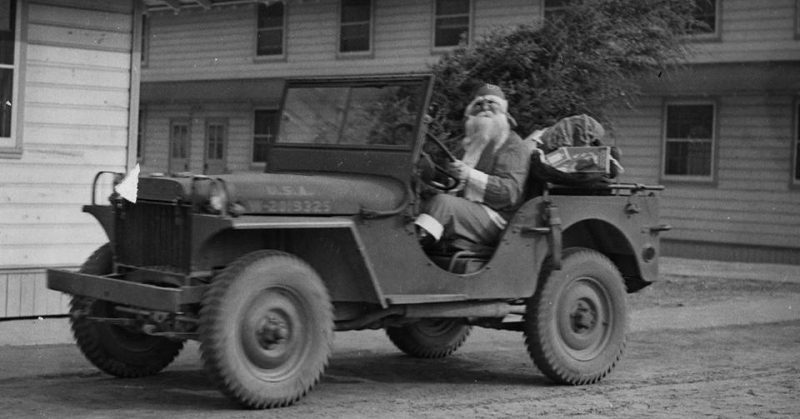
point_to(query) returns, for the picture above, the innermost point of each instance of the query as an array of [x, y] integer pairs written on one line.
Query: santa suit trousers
[[462, 218]]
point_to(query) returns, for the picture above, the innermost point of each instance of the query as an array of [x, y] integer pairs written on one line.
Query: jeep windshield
[[375, 115]]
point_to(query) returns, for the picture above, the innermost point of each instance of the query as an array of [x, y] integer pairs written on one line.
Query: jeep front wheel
[[575, 324], [430, 338], [112, 348], [266, 329]]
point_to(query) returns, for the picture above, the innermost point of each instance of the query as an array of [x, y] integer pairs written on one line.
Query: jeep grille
[[153, 234]]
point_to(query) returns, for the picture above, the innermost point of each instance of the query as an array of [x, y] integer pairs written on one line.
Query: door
[[216, 145], [179, 145]]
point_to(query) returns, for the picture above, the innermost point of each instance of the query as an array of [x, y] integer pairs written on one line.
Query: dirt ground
[[727, 372]]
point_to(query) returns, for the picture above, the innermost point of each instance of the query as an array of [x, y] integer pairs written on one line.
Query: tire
[[266, 329], [576, 322], [430, 338], [114, 349]]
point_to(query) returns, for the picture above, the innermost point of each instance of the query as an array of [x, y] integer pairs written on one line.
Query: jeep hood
[[285, 193]]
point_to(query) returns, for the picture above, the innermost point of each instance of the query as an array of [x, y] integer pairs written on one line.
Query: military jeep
[[262, 268]]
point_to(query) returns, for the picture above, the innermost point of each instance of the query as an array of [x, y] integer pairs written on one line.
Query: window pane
[[548, 4], [450, 31], [797, 161], [179, 141], [270, 42], [216, 141], [6, 96], [355, 38], [797, 144], [356, 11], [705, 13], [690, 130], [7, 28], [690, 121], [313, 115], [270, 16], [689, 158], [384, 115], [553, 8], [452, 7], [264, 131]]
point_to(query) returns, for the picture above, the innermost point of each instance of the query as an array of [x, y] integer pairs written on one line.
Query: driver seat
[[461, 256]]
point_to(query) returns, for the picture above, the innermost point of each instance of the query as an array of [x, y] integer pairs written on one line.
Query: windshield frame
[[425, 86]]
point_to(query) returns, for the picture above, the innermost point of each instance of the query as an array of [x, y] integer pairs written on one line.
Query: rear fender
[[609, 240]]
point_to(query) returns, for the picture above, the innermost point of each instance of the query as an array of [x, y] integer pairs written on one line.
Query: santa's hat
[[493, 93]]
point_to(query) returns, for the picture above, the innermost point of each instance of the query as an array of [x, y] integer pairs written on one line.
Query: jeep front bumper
[[128, 293]]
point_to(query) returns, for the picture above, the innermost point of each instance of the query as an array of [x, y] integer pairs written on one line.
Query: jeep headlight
[[217, 198]]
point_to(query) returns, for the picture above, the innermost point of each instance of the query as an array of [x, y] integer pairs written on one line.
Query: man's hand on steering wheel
[[436, 175]]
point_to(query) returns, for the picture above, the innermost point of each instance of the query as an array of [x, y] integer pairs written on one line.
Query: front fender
[[104, 215]]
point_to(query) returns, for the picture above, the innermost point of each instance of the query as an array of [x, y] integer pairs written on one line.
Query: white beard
[[481, 130]]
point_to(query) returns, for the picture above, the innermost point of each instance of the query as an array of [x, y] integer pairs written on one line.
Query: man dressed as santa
[[492, 173]]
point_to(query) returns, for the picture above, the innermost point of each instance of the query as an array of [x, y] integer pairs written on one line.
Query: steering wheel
[[445, 182]]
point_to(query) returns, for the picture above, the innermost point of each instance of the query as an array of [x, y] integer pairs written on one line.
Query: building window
[[271, 28], [355, 26], [145, 40], [215, 149], [452, 23], [554, 8], [706, 15], [797, 19], [264, 130], [689, 141], [796, 177], [10, 141], [179, 146], [140, 136]]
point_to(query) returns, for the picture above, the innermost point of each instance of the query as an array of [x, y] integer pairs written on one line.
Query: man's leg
[[450, 217]]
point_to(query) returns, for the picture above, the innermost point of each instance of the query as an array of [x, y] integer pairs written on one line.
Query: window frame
[[283, 27], [145, 52], [546, 10], [12, 146], [141, 135], [794, 176], [185, 121], [470, 27], [711, 178], [269, 137], [796, 19], [220, 122], [360, 53], [716, 35]]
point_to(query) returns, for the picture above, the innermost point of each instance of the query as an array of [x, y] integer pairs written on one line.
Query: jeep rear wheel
[[430, 338], [116, 349], [575, 324], [266, 329]]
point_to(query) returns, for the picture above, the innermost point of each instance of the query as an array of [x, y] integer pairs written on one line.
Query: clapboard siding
[[637, 134], [188, 45], [750, 202], [752, 31], [221, 39], [239, 118], [76, 102]]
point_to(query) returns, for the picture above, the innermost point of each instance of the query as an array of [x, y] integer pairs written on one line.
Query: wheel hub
[[272, 332], [583, 316]]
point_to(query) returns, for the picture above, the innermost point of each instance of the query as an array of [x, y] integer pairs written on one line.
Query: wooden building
[[67, 89], [721, 135]]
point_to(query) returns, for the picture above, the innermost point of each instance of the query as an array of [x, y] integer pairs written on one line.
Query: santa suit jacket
[[498, 179]]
